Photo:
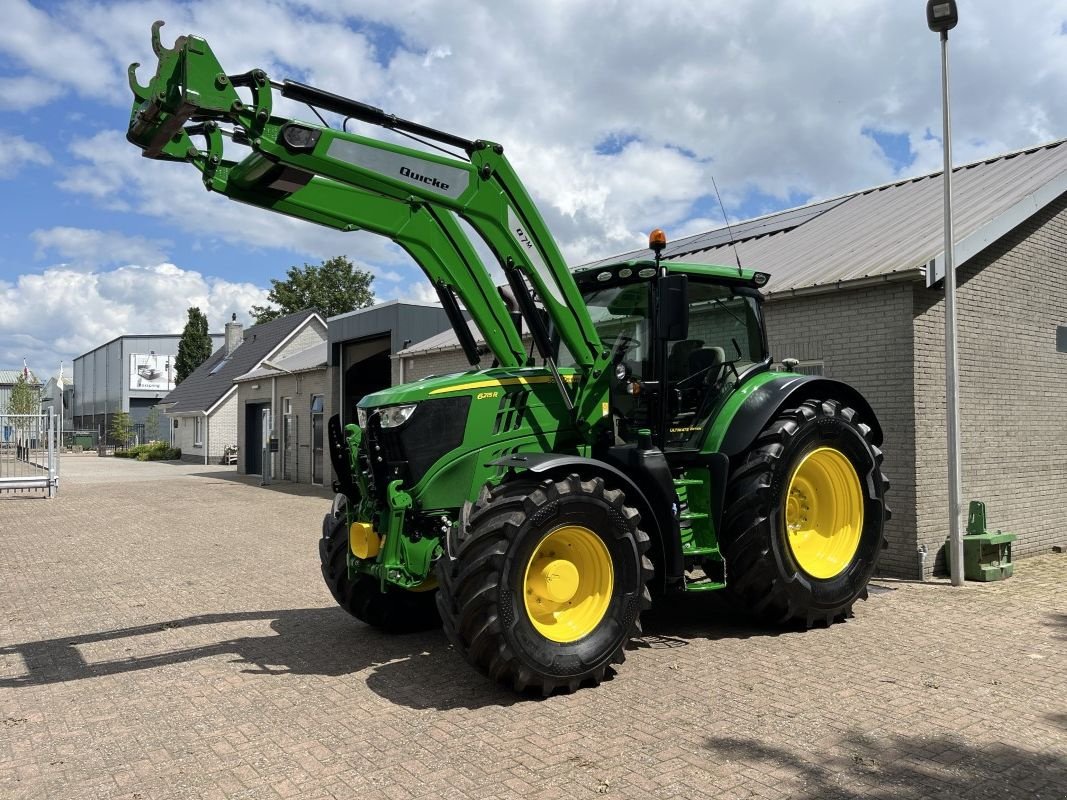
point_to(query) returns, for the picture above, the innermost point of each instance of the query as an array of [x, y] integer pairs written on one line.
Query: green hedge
[[153, 451]]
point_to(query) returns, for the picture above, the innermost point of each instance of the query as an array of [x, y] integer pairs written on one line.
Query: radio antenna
[[729, 230]]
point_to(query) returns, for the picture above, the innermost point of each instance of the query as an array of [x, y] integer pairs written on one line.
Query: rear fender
[[764, 404]]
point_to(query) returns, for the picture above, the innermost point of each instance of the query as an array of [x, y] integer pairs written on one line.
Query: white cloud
[[16, 152], [774, 103], [85, 247], [27, 91], [112, 173], [773, 100], [61, 312]]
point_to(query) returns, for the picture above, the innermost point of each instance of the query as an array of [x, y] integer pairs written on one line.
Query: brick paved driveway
[[164, 633]]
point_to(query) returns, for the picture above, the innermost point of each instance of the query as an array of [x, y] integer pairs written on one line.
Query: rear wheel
[[393, 611], [804, 516], [548, 583]]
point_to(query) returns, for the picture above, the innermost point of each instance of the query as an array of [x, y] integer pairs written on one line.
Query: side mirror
[[672, 319]]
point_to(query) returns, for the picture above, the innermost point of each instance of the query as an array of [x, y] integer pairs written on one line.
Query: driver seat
[[710, 359]]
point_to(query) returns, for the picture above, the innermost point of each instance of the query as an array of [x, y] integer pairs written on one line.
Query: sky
[[617, 116]]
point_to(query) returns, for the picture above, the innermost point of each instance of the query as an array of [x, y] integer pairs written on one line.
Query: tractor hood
[[481, 384]]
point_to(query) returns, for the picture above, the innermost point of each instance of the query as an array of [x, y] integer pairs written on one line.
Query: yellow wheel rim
[[567, 584], [824, 513]]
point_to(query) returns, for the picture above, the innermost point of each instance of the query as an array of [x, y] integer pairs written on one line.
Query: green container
[[986, 556]]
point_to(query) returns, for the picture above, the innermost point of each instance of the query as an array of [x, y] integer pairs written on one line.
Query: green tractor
[[536, 502]]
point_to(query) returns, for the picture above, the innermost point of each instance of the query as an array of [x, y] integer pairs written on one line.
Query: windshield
[[620, 314], [725, 339]]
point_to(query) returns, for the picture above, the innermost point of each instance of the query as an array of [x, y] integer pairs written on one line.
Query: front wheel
[[804, 516], [548, 583]]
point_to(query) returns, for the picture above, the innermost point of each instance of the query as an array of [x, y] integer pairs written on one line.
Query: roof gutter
[[900, 276]]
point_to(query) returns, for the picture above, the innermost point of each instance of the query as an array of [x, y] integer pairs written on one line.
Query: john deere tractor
[[642, 444]]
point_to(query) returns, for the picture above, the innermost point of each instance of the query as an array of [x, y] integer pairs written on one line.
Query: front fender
[[657, 518]]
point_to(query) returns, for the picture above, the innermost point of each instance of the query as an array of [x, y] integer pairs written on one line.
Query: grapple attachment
[[189, 86]]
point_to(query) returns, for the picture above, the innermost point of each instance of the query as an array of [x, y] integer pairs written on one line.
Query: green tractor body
[[532, 503]]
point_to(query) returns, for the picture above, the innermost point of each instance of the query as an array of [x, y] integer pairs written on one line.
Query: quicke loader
[[535, 504]]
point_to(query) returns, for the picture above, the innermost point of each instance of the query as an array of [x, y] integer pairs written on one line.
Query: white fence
[[29, 456]]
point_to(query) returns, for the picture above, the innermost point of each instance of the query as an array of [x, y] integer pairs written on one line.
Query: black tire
[[481, 600], [392, 611], [763, 576]]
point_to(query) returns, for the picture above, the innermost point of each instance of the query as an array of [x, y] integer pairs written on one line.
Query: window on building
[[1061, 339], [198, 431], [316, 404]]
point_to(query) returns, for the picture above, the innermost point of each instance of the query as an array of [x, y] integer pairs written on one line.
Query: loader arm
[[348, 182]]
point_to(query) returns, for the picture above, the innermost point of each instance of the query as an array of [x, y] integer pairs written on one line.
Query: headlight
[[392, 416], [361, 417]]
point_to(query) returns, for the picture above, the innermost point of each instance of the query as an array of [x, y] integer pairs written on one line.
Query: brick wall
[[298, 388], [1013, 388], [863, 337], [310, 335], [310, 383], [184, 439], [222, 428]]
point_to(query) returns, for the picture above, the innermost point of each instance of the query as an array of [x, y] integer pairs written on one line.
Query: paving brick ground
[[164, 633]]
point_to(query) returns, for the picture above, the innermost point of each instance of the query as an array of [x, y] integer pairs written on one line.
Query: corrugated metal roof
[[8, 377], [878, 231]]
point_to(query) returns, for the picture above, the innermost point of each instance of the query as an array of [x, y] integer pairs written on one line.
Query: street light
[[942, 16]]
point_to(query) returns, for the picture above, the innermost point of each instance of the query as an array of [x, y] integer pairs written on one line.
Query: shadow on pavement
[[283, 487], [674, 620], [1059, 621], [418, 670], [905, 768]]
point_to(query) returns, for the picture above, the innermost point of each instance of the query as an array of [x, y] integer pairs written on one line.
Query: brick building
[[287, 398], [204, 407], [848, 297]]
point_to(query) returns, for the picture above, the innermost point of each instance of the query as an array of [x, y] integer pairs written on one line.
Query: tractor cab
[[682, 338]]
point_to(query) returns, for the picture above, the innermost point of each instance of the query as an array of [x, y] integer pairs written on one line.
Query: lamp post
[[941, 17]]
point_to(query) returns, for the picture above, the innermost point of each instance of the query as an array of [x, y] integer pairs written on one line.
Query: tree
[[25, 397], [25, 400], [194, 347], [151, 424], [334, 287], [120, 429]]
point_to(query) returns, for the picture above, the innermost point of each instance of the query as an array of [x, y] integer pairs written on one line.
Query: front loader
[[536, 502]]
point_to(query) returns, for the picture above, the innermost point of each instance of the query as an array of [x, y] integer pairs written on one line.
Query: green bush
[[158, 451], [153, 451]]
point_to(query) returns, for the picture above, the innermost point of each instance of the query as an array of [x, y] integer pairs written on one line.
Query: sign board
[[151, 372]]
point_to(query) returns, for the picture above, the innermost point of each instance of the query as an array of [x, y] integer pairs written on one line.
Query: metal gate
[[29, 457]]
